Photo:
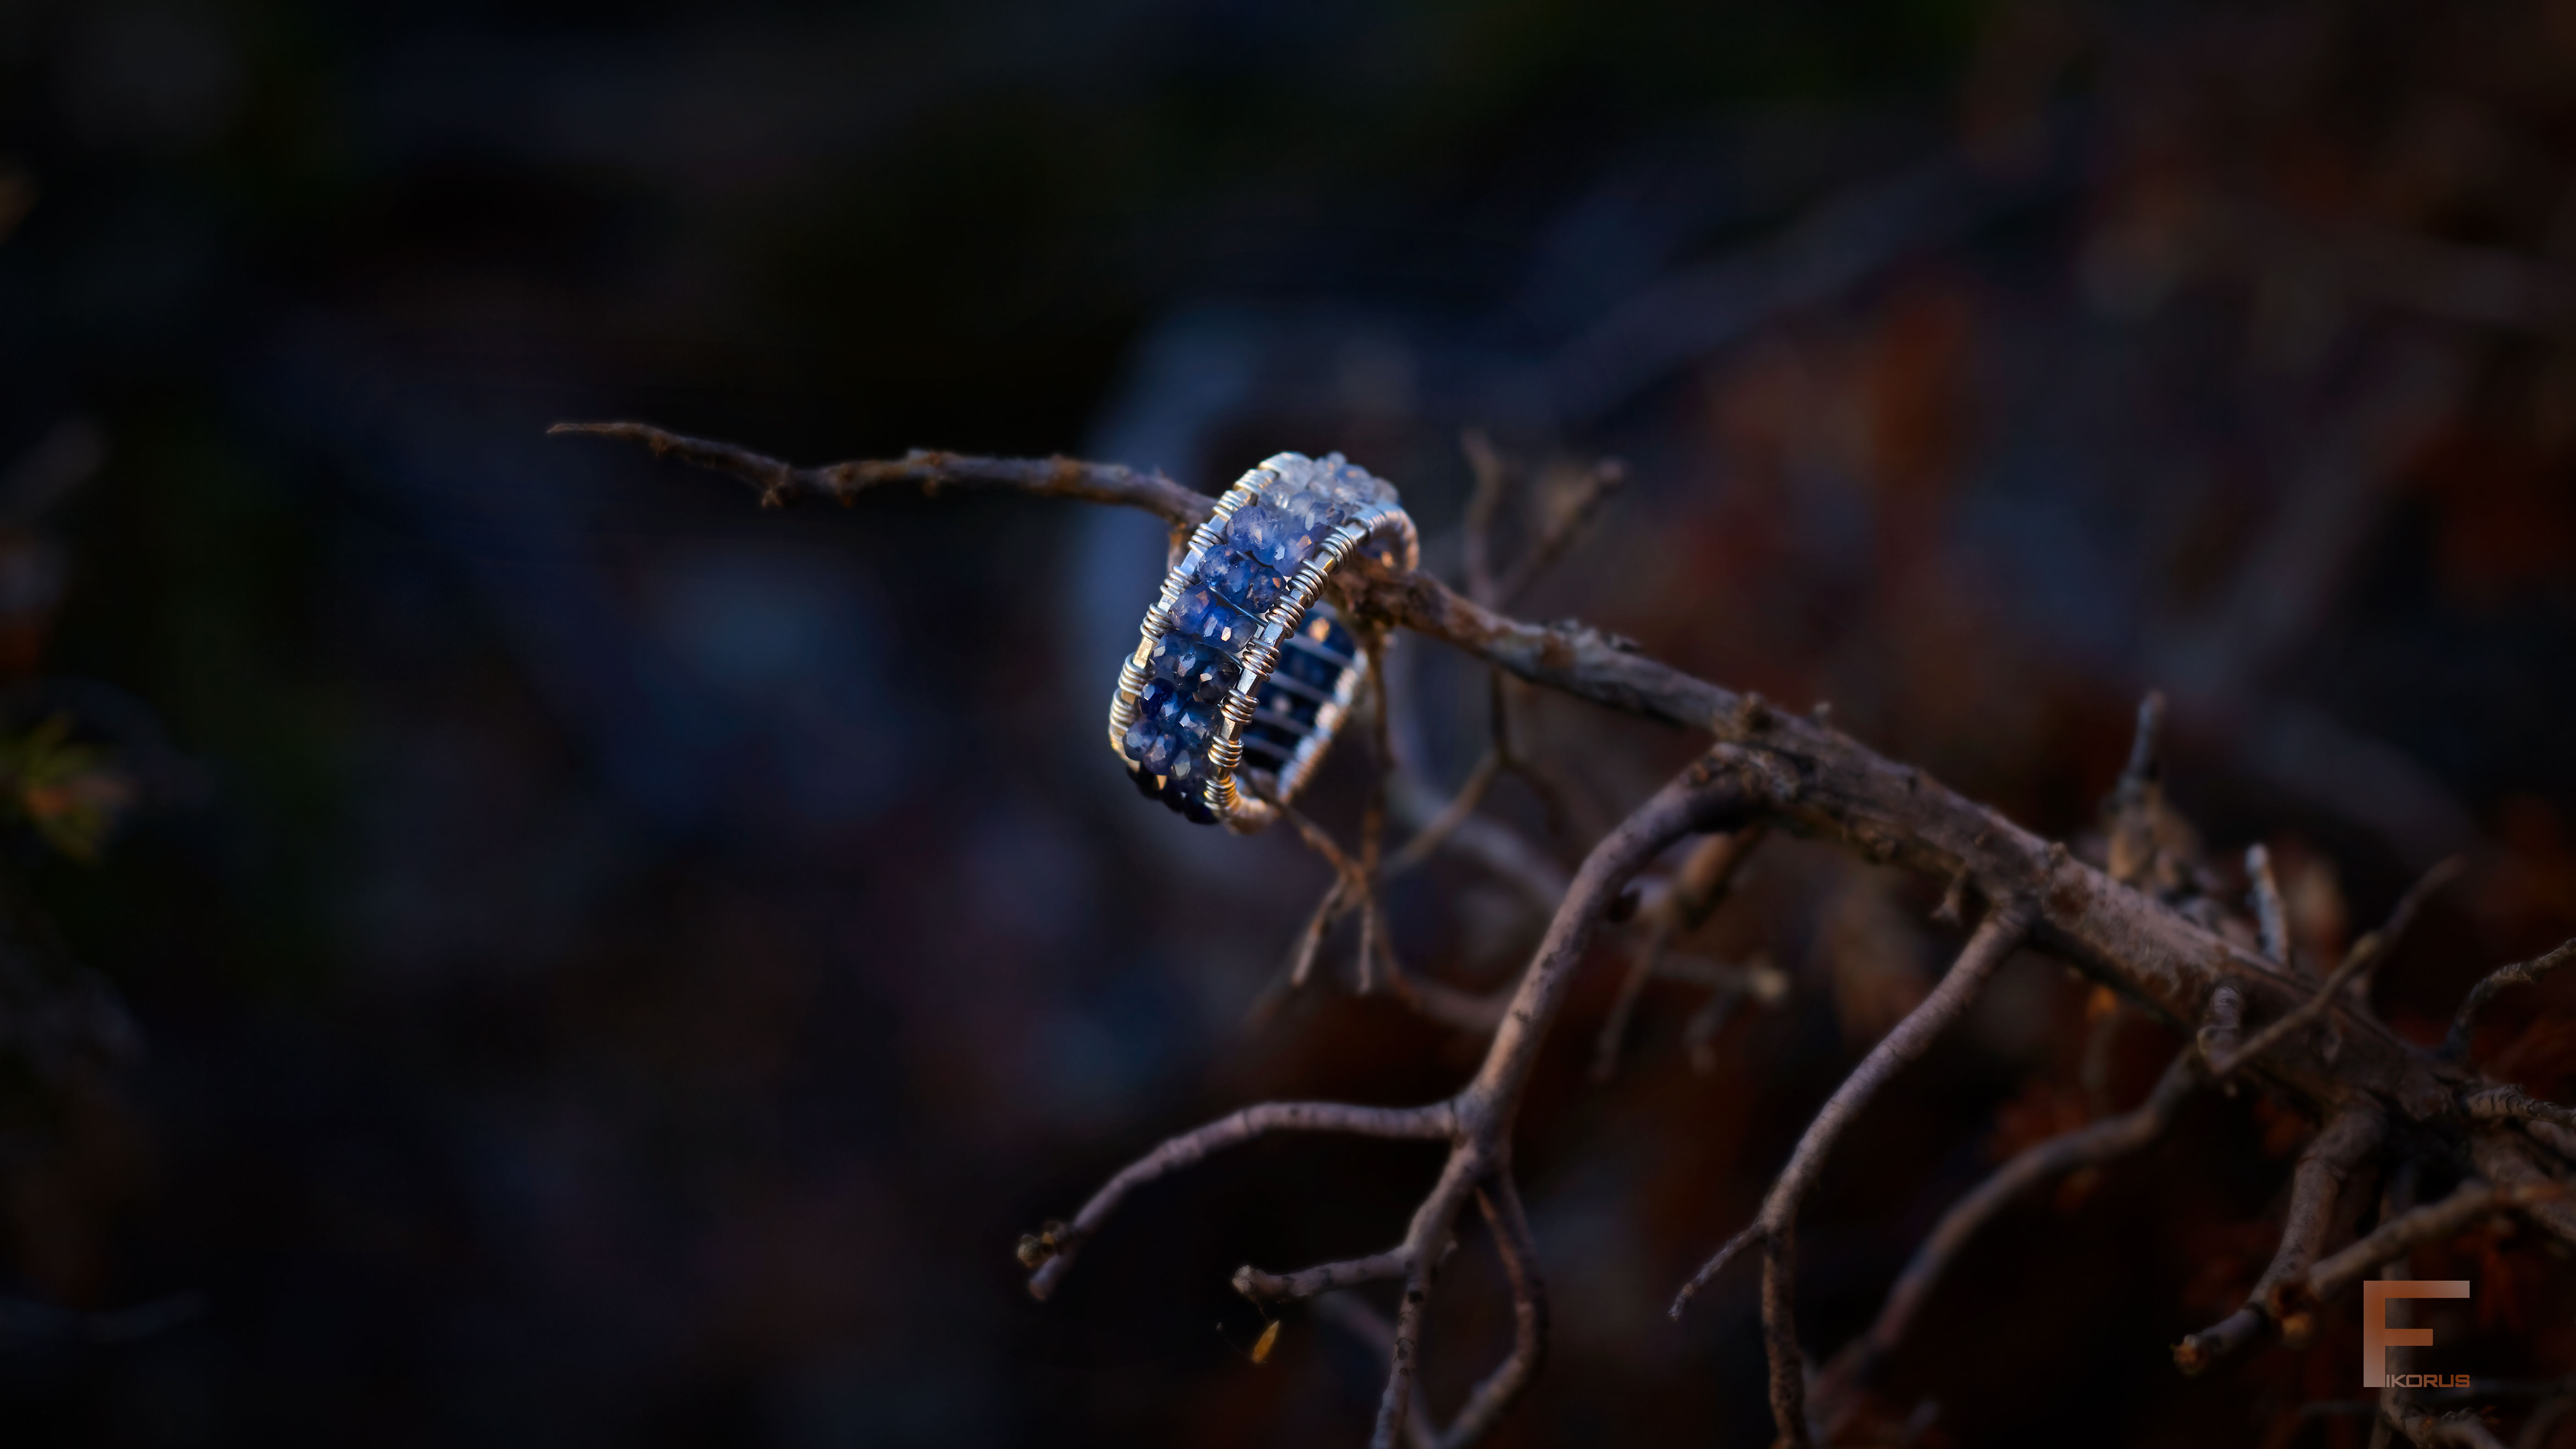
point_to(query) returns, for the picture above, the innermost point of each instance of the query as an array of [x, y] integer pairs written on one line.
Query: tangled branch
[[2140, 929]]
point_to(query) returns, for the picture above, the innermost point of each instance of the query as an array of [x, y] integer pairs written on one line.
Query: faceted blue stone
[[1155, 699], [1253, 525], [1270, 536], [1202, 612], [1311, 511], [1190, 725], [1152, 747], [1243, 579], [1198, 669]]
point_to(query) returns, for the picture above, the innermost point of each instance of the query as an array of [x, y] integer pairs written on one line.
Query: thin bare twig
[[1262, 1287], [2092, 1145], [2471, 1204], [2512, 1104], [2005, 926], [1500, 1202], [2506, 1160], [1476, 1122], [1352, 1314], [2521, 973], [1310, 941], [1426, 842], [2358, 963], [1697, 888], [1421, 1124], [779, 483], [2270, 919], [2316, 1187], [1599, 481], [2135, 811]]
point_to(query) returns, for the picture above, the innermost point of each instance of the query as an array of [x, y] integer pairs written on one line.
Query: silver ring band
[[1241, 668]]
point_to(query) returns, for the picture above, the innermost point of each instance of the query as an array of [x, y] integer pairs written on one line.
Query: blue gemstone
[[1270, 536], [1243, 579], [1253, 524], [1310, 511], [1202, 612], [1190, 725], [1152, 748], [1195, 667], [1155, 699]]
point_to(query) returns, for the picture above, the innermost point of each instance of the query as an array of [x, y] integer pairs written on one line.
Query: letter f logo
[[2377, 1338]]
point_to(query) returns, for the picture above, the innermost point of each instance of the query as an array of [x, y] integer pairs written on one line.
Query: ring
[[1241, 668]]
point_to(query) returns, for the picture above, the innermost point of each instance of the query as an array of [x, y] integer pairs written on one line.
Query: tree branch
[[2521, 973], [2316, 1185], [1697, 888], [1262, 1287], [2512, 1104], [2004, 928], [2363, 958], [781, 483], [2505, 1160], [2272, 921], [1808, 778], [2471, 1204], [1838, 1388], [1427, 1124], [1500, 1202]]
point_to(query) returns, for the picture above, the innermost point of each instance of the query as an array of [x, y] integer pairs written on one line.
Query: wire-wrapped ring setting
[[1242, 673]]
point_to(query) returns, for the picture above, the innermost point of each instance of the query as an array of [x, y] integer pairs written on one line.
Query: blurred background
[[507, 943]]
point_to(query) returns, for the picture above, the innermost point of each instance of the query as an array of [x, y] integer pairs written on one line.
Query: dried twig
[[2004, 927], [2508, 1162], [1500, 1202], [2316, 1187], [2521, 973], [1461, 808], [2471, 1204], [1429, 1124], [1598, 482], [1262, 1287], [2136, 809], [1696, 890], [1476, 1122], [2512, 1104], [1839, 1386], [2270, 919], [2358, 963]]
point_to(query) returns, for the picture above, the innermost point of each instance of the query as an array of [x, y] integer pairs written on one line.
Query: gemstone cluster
[[1227, 592]]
